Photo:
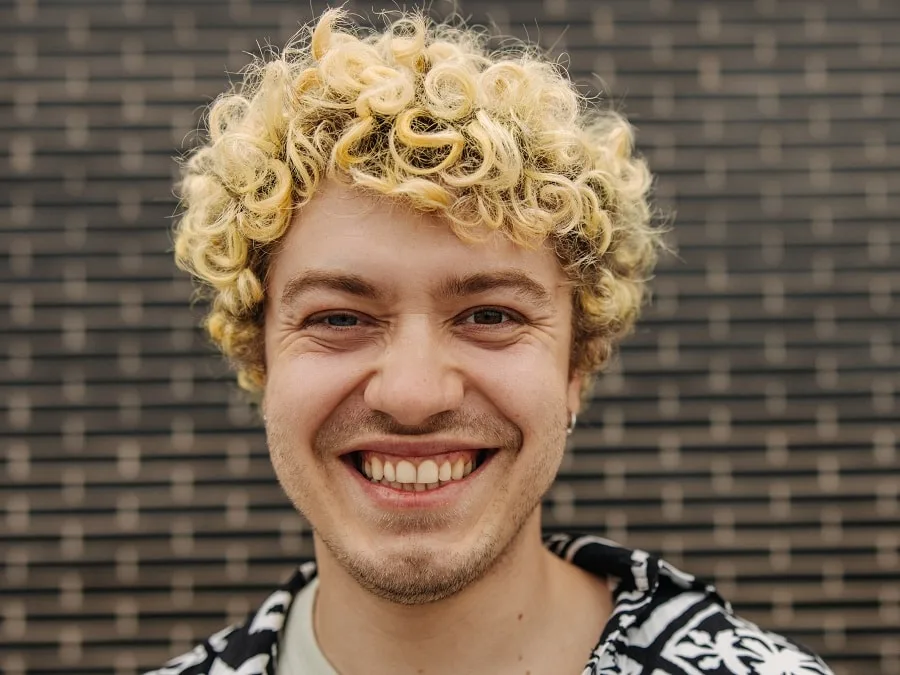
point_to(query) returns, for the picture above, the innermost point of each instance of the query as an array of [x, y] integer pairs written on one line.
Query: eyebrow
[[449, 289], [480, 282], [314, 280]]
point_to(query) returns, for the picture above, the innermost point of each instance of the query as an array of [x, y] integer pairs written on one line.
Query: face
[[417, 390]]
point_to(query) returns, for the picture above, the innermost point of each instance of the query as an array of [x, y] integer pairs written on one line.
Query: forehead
[[343, 229]]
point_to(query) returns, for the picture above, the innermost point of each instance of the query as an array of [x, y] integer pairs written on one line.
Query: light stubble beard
[[416, 573]]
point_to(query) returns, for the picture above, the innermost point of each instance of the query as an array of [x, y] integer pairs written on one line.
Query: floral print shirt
[[664, 622]]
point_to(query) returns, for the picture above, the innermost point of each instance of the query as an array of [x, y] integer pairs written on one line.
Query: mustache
[[342, 429]]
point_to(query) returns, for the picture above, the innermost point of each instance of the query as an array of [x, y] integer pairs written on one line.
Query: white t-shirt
[[299, 652]]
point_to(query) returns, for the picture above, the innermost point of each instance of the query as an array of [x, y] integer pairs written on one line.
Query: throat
[[505, 619]]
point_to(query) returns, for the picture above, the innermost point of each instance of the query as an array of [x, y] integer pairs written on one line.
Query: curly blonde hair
[[425, 113]]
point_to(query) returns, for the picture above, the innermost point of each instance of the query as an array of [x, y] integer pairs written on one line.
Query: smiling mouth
[[418, 474]]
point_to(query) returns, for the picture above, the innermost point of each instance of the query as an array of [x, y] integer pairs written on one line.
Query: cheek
[[527, 387], [304, 389]]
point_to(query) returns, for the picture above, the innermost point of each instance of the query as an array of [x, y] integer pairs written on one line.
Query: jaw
[[422, 567]]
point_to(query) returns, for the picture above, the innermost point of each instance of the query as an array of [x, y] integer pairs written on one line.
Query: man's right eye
[[334, 320]]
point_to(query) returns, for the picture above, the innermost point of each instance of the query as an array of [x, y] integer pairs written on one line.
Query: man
[[418, 255]]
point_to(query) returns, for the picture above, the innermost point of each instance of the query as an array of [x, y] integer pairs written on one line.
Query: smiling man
[[418, 254]]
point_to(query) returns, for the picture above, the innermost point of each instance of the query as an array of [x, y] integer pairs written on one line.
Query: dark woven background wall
[[748, 433]]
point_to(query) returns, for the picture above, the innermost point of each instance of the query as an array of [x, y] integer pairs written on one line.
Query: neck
[[493, 625]]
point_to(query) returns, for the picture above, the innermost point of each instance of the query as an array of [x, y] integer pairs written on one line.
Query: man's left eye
[[489, 317]]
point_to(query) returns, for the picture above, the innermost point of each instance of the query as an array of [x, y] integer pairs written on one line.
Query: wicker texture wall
[[749, 432]]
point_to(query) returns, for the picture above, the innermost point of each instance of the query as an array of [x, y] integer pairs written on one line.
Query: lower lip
[[388, 497]]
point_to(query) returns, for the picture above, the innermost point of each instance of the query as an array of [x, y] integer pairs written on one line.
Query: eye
[[491, 316], [337, 320], [341, 320]]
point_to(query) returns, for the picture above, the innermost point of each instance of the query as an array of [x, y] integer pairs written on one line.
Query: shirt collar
[[635, 575]]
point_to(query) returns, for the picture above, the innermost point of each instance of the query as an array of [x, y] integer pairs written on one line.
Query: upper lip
[[414, 448]]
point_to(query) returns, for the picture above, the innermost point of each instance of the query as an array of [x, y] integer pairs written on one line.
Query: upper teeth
[[403, 473]]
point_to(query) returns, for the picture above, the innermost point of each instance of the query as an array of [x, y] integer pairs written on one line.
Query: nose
[[415, 378]]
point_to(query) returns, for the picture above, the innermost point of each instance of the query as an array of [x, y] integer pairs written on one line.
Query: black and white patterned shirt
[[664, 622]]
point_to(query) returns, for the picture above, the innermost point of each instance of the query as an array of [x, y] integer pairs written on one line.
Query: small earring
[[572, 419]]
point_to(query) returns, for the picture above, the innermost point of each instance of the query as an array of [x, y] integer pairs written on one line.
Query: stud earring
[[572, 419]]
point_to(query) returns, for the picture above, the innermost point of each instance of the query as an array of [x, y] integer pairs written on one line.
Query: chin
[[419, 573], [419, 567]]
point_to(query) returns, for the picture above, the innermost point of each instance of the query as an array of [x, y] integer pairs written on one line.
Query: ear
[[573, 393]]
